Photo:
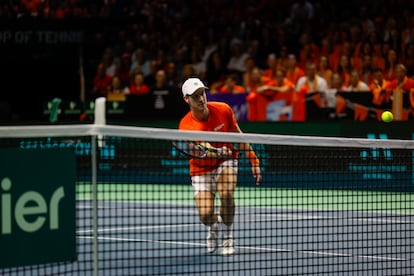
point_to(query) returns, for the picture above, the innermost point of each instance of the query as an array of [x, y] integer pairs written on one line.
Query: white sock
[[227, 229], [215, 226]]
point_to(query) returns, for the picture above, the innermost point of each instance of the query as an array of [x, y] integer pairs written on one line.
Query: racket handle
[[223, 154], [219, 152]]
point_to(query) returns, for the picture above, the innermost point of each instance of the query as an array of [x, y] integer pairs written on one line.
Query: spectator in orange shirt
[[378, 60], [401, 80], [293, 71], [270, 71], [256, 80], [231, 86], [366, 72], [247, 76], [256, 101], [324, 70], [279, 88], [138, 85], [116, 91], [378, 87], [390, 65], [355, 84], [344, 69], [397, 88]]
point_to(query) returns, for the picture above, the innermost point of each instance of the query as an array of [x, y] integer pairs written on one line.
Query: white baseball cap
[[191, 85]]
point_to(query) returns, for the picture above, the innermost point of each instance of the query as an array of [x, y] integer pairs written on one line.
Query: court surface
[[277, 232]]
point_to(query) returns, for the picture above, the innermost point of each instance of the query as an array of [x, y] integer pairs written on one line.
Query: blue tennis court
[[149, 238]]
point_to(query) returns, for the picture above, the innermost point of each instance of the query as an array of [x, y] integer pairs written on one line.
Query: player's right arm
[[253, 159]]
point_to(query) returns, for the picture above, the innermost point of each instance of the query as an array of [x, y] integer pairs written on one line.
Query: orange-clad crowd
[[272, 51]]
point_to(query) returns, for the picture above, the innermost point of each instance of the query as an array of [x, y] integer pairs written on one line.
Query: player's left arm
[[253, 159]]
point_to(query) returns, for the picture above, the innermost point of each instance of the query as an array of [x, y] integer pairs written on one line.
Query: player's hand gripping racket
[[195, 150]]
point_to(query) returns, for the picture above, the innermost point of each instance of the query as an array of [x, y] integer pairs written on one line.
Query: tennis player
[[215, 173]]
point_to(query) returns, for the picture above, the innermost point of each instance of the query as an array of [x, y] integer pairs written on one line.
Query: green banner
[[37, 206]]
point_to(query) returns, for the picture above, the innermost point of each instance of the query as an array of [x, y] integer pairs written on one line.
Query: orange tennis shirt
[[221, 119]]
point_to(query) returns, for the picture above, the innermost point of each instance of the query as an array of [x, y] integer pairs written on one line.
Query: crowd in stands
[[271, 48]]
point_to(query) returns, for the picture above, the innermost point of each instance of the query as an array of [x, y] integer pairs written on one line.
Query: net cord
[[174, 134]]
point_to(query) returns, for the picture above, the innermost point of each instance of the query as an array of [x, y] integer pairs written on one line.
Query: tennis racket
[[195, 150]]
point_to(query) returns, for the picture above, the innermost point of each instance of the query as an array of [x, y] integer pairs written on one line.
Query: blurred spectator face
[[271, 61], [336, 81], [323, 62], [138, 79], [400, 72], [354, 79], [367, 61], [280, 76], [311, 70], [378, 76], [230, 81], [291, 61], [153, 65], [188, 70], [171, 68], [250, 64], [256, 75], [392, 56], [116, 83], [344, 61], [160, 76]]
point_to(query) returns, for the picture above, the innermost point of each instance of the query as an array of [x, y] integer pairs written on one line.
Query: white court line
[[279, 217], [295, 210], [135, 228], [282, 217], [120, 229], [265, 249]]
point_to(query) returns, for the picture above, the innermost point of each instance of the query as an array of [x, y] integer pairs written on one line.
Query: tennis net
[[326, 206]]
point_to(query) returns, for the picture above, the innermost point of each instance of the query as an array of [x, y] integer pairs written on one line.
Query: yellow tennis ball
[[387, 116]]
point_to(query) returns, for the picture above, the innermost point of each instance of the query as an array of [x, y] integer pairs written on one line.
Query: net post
[[94, 205], [100, 117]]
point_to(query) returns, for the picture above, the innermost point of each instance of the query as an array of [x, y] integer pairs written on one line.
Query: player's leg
[[226, 185], [205, 206], [204, 195]]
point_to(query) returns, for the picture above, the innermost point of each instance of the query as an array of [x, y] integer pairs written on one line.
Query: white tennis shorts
[[208, 182]]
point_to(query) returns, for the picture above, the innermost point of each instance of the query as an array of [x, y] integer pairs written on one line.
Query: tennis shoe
[[213, 237], [227, 248]]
